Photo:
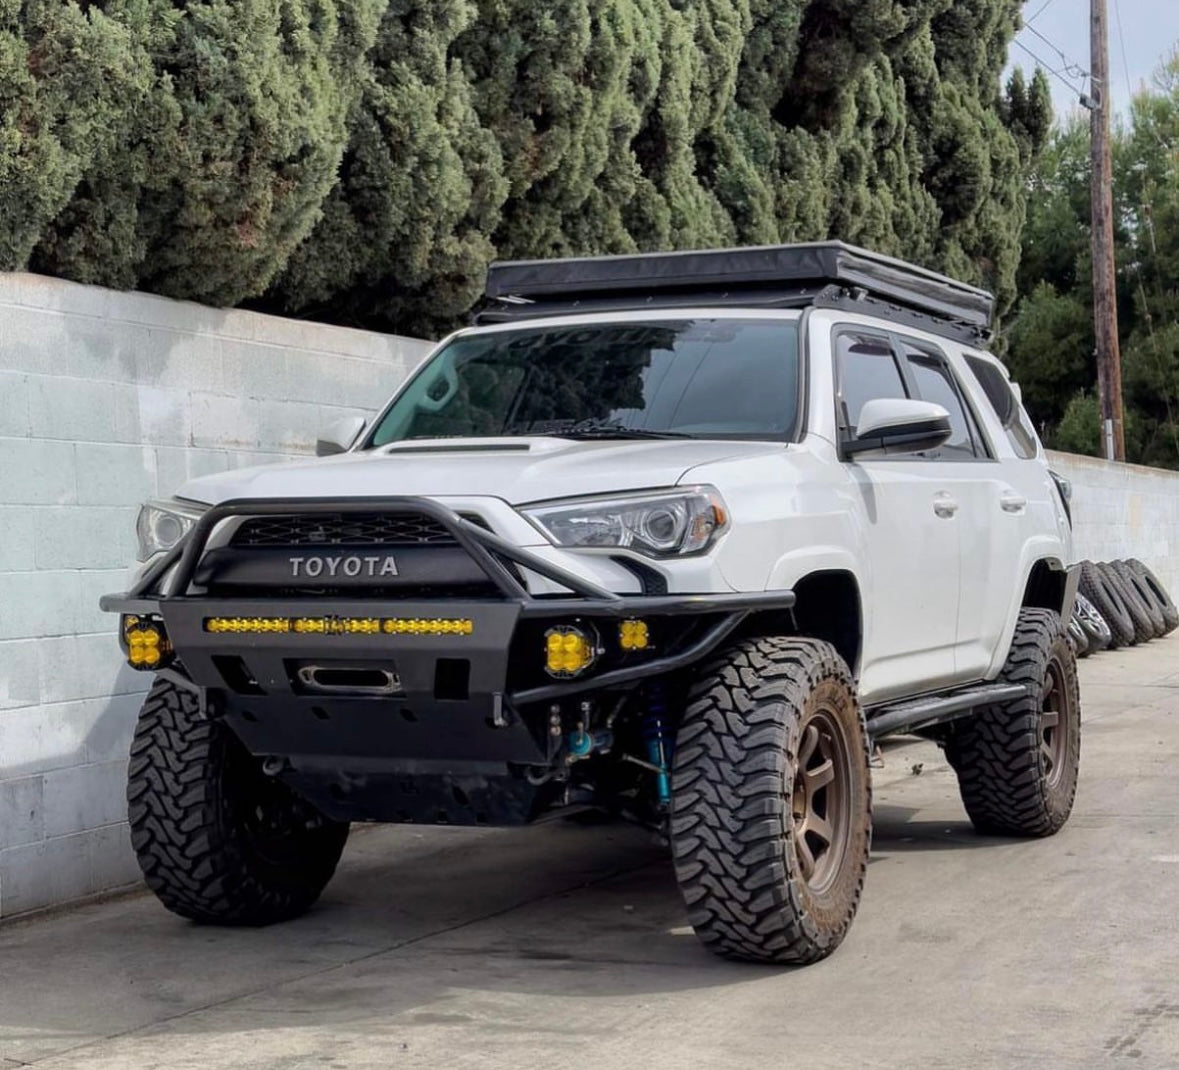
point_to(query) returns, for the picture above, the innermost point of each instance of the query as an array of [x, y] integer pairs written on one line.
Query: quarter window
[[1009, 411]]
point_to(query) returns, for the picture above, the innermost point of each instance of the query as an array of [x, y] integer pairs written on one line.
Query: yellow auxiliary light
[[568, 651], [147, 643], [633, 635], [339, 626], [247, 624]]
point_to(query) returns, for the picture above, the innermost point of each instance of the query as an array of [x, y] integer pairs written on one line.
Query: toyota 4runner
[[678, 536]]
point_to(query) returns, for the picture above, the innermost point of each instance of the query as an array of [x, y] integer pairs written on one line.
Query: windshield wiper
[[615, 432]]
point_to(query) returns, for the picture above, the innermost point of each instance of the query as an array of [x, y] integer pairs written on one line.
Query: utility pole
[[1105, 304]]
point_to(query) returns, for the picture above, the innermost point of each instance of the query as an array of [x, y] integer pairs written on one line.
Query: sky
[[1150, 28]]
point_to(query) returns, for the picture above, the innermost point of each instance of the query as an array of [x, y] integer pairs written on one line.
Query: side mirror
[[899, 425], [340, 437]]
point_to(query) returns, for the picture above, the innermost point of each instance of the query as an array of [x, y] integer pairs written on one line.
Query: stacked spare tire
[[1119, 603]]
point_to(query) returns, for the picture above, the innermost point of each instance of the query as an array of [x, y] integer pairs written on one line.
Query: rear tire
[[771, 802], [1017, 761], [216, 839]]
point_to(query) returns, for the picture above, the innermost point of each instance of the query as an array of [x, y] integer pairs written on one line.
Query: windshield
[[699, 378]]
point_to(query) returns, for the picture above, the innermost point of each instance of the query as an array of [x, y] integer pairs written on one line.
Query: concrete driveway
[[565, 946]]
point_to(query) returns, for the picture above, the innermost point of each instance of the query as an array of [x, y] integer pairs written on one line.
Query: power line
[[1165, 374], [1125, 62], [1070, 66], [1129, 88], [1060, 77], [1039, 11]]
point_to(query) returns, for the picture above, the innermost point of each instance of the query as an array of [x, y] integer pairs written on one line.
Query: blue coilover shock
[[657, 740]]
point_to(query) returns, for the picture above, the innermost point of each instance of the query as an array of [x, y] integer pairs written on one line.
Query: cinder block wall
[[107, 399], [1124, 510]]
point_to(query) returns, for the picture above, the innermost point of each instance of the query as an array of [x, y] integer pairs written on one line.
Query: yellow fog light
[[633, 635], [146, 643], [568, 651]]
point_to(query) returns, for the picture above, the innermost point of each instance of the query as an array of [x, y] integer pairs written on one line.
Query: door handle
[[1010, 502], [945, 506]]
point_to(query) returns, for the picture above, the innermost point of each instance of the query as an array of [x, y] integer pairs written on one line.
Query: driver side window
[[866, 368]]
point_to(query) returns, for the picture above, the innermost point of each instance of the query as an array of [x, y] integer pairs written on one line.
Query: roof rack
[[820, 274]]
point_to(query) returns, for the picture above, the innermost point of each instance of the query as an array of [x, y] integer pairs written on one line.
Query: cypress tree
[[217, 170], [363, 160], [405, 236], [64, 74]]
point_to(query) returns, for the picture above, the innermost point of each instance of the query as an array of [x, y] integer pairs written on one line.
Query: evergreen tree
[[65, 76], [405, 236], [1051, 343], [212, 175], [363, 160]]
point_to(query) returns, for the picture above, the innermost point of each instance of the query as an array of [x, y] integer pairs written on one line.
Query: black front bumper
[[459, 740]]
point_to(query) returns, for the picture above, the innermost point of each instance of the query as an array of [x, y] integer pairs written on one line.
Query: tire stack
[[1119, 603]]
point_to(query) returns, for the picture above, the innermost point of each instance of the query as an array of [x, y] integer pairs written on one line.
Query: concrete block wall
[[107, 399], [1124, 510]]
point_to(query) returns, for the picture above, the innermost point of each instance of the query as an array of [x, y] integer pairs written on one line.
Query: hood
[[518, 470]]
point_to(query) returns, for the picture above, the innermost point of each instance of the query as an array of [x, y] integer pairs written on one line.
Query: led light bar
[[340, 625]]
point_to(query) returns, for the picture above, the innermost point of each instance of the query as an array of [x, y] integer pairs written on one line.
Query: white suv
[[674, 535]]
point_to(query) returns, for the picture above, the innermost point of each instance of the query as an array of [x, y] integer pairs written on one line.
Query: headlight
[[161, 525], [662, 524]]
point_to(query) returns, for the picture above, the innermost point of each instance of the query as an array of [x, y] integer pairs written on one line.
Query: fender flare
[[1035, 550]]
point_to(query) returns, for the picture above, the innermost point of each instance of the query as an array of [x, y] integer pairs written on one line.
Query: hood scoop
[[468, 446]]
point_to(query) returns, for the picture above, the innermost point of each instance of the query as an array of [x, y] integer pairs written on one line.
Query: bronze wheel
[[1053, 736], [819, 801], [771, 802], [1017, 762]]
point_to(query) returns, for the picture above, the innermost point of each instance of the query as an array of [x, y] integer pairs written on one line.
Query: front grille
[[361, 529]]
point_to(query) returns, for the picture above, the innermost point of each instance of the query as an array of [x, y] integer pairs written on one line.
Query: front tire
[[771, 802], [1017, 761], [216, 839]]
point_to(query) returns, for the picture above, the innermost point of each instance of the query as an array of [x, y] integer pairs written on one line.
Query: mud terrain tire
[[217, 840], [771, 801], [1017, 761]]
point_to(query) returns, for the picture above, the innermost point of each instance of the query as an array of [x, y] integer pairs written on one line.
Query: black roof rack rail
[[824, 274]]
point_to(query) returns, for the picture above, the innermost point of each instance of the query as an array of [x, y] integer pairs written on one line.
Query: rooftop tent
[[820, 273]]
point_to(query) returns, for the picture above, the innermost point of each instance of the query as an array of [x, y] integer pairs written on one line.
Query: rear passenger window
[[1011, 414], [867, 370], [935, 383]]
